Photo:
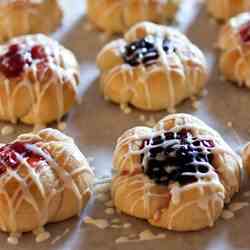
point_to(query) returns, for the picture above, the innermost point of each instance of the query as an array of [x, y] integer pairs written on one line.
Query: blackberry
[[176, 157], [144, 51]]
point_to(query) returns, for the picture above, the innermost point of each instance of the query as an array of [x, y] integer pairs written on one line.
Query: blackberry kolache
[[177, 175], [152, 68]]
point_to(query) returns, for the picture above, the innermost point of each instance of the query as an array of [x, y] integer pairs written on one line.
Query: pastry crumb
[[142, 118], [127, 225], [100, 223], [148, 235], [246, 194], [109, 204], [7, 130], [116, 226], [42, 237], [195, 104], [103, 188], [151, 122], [62, 126], [41, 234], [125, 108], [116, 220], [59, 237], [13, 239], [227, 214], [122, 239], [235, 206], [171, 110], [109, 211], [229, 124], [101, 197]]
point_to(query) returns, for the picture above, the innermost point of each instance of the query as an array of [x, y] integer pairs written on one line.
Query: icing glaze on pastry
[[177, 175], [40, 174], [153, 68], [36, 72]]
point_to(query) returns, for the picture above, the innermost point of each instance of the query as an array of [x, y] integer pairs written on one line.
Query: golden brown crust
[[115, 16], [181, 208], [171, 78], [28, 16], [40, 96], [54, 191], [235, 52], [224, 9]]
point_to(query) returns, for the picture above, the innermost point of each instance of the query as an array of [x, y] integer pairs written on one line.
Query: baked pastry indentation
[[38, 80], [153, 68], [177, 175], [44, 178]]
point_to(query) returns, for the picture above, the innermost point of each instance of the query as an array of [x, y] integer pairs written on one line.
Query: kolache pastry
[[234, 44], [20, 17], [223, 10], [153, 68], [117, 16], [39, 79], [44, 178], [177, 176]]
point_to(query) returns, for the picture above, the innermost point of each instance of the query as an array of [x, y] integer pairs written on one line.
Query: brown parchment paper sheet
[[96, 124]]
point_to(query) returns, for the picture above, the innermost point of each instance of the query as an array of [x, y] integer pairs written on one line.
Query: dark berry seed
[[203, 169], [144, 51]]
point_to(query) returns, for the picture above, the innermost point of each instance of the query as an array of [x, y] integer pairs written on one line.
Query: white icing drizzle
[[167, 62], [60, 75], [142, 185]]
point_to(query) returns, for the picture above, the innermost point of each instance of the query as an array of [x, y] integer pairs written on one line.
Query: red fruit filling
[[11, 154], [13, 62], [245, 32]]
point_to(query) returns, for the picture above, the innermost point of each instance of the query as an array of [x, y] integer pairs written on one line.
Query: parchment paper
[[96, 124]]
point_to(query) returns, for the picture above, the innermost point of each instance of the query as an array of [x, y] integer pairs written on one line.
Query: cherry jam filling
[[176, 157], [144, 51], [245, 32], [13, 62], [11, 155]]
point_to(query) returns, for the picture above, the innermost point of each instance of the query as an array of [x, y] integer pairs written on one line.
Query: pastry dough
[[153, 68], [234, 43], [115, 16], [224, 9], [44, 178], [177, 175], [246, 158], [20, 17], [38, 80]]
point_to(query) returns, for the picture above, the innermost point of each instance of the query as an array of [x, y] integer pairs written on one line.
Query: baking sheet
[[96, 124]]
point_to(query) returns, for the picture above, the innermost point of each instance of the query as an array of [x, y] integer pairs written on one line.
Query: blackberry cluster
[[144, 51], [172, 161]]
